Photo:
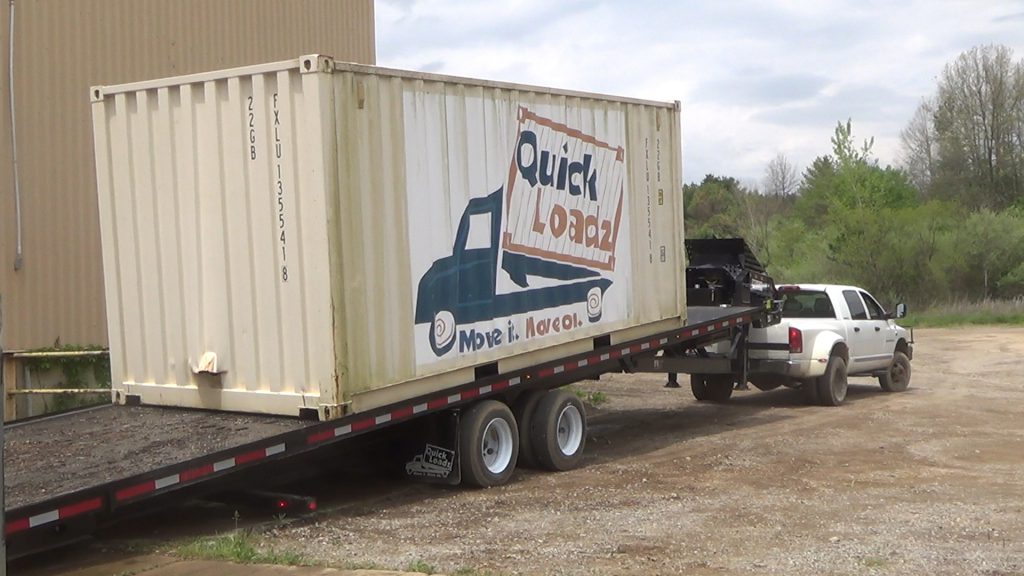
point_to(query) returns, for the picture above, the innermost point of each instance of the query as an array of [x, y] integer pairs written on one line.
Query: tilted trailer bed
[[68, 474]]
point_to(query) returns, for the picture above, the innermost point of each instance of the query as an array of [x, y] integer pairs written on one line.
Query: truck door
[[861, 334], [476, 253], [883, 340]]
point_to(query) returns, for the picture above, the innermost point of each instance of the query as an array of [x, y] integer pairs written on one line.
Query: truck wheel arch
[[826, 344]]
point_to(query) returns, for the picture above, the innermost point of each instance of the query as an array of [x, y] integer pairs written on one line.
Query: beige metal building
[[51, 280]]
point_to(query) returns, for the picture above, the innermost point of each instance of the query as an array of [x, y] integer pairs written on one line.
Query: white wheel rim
[[594, 303], [496, 448], [570, 430], [444, 328]]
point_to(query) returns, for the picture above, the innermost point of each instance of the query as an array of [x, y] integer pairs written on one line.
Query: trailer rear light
[[796, 340]]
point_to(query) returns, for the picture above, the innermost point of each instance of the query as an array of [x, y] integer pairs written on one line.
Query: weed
[[420, 566], [874, 562], [239, 547], [593, 397], [468, 571]]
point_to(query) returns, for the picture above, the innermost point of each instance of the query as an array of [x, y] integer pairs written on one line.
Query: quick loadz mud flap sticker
[[437, 463], [535, 258]]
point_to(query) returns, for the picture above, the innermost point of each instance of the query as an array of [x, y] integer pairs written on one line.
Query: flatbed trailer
[[70, 474]]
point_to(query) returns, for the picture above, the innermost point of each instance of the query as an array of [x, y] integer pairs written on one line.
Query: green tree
[[712, 208]]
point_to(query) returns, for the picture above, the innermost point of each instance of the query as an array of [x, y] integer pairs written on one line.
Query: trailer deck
[[60, 454]]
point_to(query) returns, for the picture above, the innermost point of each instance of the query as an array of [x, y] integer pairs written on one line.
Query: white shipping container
[[336, 237]]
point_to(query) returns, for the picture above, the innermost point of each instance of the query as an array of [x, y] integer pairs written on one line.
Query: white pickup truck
[[827, 333]]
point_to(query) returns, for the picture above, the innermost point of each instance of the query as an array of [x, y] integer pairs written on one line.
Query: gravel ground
[[930, 481]]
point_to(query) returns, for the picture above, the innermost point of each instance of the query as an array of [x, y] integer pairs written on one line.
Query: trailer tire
[[712, 387], [559, 431], [524, 409], [832, 385], [488, 444], [897, 378]]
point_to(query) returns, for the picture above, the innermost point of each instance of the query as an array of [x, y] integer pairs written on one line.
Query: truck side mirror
[[901, 310]]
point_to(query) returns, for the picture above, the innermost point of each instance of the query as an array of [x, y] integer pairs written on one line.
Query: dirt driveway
[[930, 481]]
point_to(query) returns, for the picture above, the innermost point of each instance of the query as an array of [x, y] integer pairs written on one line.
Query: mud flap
[[436, 459]]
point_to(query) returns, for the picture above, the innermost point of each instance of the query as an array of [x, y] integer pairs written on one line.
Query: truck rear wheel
[[488, 444], [897, 378], [711, 387], [524, 409], [832, 385], [559, 431]]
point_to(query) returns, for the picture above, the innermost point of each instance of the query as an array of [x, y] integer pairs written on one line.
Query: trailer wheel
[[711, 387], [897, 378], [832, 385], [524, 409], [488, 444], [442, 332], [559, 431]]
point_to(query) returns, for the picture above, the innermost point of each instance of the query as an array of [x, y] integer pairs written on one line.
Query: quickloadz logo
[[552, 229]]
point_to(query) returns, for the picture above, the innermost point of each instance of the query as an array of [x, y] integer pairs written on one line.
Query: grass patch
[[592, 397], [963, 313], [467, 571], [239, 547], [421, 567], [874, 562]]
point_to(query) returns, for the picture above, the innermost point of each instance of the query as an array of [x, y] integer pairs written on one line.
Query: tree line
[[946, 223]]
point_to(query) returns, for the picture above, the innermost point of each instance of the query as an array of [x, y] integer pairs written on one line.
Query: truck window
[[479, 232], [875, 311], [806, 304], [856, 307]]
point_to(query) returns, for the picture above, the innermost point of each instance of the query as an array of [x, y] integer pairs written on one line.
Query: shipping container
[[312, 237]]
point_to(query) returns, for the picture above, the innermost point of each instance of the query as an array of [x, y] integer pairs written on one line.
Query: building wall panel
[[62, 48]]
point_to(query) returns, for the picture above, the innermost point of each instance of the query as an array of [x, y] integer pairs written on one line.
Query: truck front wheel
[[897, 378], [832, 385], [488, 444]]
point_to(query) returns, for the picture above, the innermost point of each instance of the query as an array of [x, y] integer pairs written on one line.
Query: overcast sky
[[755, 78]]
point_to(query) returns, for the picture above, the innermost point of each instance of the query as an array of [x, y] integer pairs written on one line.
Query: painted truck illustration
[[556, 219], [461, 288]]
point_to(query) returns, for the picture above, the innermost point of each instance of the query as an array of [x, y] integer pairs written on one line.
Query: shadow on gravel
[[617, 433]]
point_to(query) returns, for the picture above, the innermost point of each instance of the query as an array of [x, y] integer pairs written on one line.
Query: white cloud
[[755, 77]]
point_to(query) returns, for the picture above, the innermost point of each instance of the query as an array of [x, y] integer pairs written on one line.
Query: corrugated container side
[[217, 274], [343, 237], [414, 151]]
